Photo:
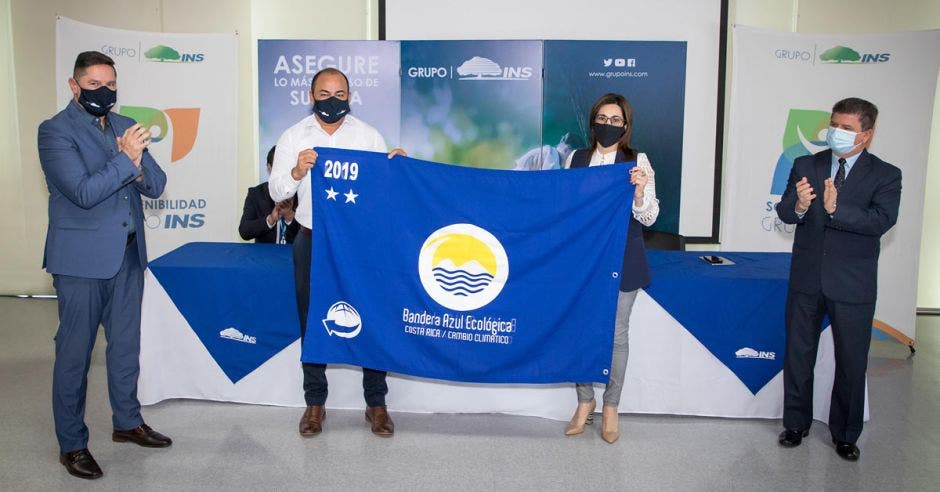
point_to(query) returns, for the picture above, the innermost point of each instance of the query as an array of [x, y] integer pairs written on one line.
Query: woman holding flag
[[611, 120]]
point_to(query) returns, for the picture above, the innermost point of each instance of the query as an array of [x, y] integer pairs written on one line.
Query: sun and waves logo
[[805, 134], [342, 320], [183, 123], [463, 267]]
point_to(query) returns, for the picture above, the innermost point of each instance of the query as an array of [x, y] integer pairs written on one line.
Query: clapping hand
[[286, 209], [830, 193], [804, 195], [133, 142]]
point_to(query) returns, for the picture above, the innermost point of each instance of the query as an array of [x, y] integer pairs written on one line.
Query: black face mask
[[97, 102], [607, 135], [331, 110]]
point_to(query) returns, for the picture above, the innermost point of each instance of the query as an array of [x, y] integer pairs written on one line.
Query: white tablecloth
[[669, 372]]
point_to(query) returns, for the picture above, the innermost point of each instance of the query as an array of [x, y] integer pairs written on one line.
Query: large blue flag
[[465, 274]]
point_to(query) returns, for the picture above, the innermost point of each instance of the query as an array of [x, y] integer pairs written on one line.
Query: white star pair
[[350, 196]]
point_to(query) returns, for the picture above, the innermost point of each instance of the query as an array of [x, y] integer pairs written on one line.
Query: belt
[[305, 230], [131, 237]]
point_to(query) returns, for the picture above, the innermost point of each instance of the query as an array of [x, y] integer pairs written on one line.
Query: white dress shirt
[[352, 134], [648, 211]]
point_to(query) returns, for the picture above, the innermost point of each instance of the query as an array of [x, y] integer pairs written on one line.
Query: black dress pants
[[315, 384], [851, 336]]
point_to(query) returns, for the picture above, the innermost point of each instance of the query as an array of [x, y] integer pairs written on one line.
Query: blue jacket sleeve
[[154, 178], [63, 165]]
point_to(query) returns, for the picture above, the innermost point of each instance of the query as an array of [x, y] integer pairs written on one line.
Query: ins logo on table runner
[[749, 353], [342, 320], [463, 267], [232, 333]]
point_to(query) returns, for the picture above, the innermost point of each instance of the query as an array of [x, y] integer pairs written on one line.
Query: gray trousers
[[618, 363]]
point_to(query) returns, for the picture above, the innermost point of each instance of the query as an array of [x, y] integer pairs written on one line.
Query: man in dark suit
[[842, 201], [266, 221], [97, 167]]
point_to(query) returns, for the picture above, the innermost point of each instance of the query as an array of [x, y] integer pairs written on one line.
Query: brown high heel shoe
[[610, 422], [584, 415]]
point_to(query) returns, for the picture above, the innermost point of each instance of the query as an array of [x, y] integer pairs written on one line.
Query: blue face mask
[[841, 141]]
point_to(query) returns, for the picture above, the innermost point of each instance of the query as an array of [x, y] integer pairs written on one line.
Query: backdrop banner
[[783, 89], [492, 104], [183, 87], [477, 103], [651, 75], [465, 274], [286, 68]]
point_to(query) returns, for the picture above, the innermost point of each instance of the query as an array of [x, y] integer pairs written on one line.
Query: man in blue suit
[[97, 166], [842, 201]]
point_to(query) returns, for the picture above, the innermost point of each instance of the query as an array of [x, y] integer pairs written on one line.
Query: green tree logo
[[840, 54], [162, 53]]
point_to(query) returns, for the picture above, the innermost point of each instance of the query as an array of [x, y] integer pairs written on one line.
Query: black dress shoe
[[81, 464], [142, 435], [847, 450], [792, 439]]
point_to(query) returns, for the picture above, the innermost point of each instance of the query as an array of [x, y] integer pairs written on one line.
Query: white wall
[[15, 249]]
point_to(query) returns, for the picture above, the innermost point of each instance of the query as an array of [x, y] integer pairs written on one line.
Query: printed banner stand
[[182, 87], [783, 88]]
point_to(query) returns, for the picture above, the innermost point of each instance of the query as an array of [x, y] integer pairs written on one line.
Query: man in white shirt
[[330, 125]]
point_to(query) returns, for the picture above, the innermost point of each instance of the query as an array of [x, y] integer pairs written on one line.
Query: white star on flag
[[350, 196], [331, 194]]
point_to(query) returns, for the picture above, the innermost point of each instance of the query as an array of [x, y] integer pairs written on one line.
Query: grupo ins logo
[[233, 333], [844, 54], [463, 267], [477, 68], [749, 353], [480, 68], [161, 53]]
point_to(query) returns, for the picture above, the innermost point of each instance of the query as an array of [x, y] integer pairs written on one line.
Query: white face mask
[[841, 141]]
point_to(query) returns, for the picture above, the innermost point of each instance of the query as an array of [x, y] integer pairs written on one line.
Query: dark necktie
[[840, 174]]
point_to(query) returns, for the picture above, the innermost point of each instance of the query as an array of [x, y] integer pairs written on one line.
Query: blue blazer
[[93, 194], [839, 255]]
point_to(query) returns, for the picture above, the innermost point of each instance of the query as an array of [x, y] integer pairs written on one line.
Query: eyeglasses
[[612, 120]]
